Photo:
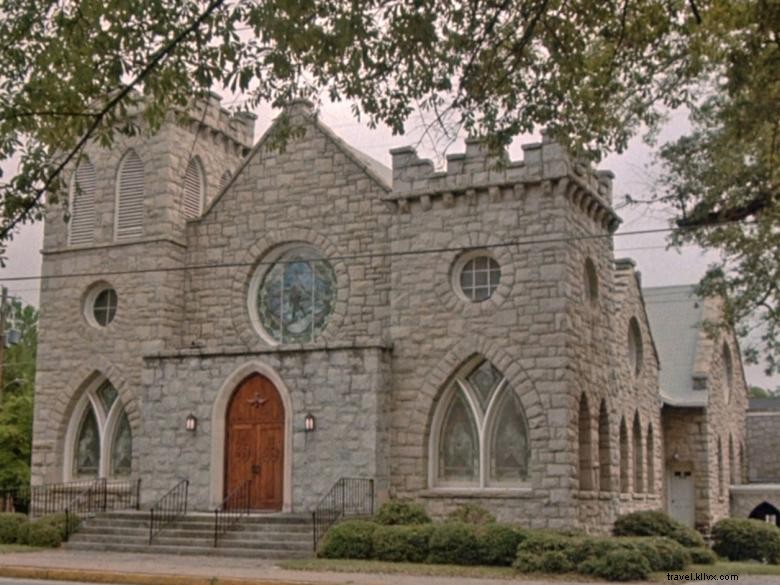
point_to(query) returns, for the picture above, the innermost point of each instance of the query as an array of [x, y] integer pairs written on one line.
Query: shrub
[[497, 544], [23, 533], [471, 514], [349, 540], [555, 561], [9, 527], [453, 543], [402, 512], [594, 548], [621, 564], [401, 543], [527, 563], [701, 555], [663, 554], [539, 542], [59, 521], [740, 539], [656, 523], [43, 534]]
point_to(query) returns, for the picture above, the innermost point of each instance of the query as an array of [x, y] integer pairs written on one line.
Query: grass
[[12, 548], [423, 569], [725, 568]]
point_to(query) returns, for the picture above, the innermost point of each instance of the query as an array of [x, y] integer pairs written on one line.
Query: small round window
[[478, 276], [100, 307], [294, 298]]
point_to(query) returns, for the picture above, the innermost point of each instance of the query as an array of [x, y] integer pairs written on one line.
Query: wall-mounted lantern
[[309, 423], [192, 423]]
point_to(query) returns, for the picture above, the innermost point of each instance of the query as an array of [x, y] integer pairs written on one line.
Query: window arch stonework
[[479, 434], [98, 441]]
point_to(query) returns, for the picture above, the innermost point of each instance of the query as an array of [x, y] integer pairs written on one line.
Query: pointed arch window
[[479, 432], [639, 484], [650, 459], [605, 450], [130, 196], [585, 432], [624, 463], [99, 437], [82, 204], [224, 180], [194, 188]]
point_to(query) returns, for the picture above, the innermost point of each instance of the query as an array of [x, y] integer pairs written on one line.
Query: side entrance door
[[682, 505], [255, 443]]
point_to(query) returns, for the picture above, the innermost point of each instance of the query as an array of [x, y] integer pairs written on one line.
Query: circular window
[[292, 297], [100, 306], [635, 346], [477, 275]]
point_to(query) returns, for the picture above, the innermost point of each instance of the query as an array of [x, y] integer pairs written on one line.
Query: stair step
[[162, 540], [257, 553]]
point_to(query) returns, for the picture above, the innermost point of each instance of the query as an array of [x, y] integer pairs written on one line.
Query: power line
[[364, 256]]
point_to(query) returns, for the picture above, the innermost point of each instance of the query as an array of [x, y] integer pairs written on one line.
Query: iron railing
[[349, 496], [168, 508], [103, 495], [235, 506], [93, 498], [15, 499]]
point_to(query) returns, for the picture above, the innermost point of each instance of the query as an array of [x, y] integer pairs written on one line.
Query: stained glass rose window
[[296, 296]]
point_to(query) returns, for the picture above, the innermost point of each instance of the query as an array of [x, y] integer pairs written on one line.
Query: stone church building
[[218, 310]]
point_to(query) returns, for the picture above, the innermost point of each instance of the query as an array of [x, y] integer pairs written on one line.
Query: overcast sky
[[659, 267]]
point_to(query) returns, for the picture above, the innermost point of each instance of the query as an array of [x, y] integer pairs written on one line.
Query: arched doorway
[[254, 442], [767, 513]]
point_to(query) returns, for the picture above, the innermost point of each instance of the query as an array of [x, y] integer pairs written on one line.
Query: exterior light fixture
[[309, 423], [192, 423]]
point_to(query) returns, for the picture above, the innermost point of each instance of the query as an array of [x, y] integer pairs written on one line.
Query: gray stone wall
[[763, 446], [745, 498]]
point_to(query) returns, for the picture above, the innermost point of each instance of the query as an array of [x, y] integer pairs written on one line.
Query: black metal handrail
[[349, 496], [56, 497], [234, 507], [93, 498], [168, 508]]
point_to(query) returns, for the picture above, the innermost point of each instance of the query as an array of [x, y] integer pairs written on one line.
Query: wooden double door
[[255, 443]]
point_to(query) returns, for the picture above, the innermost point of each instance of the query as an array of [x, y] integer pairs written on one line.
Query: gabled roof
[[675, 314]]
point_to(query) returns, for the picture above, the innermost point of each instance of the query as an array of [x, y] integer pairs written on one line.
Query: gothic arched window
[[479, 432], [194, 188], [100, 439]]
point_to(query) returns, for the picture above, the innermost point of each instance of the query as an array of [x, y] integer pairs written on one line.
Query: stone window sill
[[479, 493]]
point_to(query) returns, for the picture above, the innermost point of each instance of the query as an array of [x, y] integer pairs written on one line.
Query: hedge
[[617, 565], [453, 543], [471, 514], [402, 544], [740, 539], [402, 512], [497, 544], [352, 539], [9, 527], [656, 523]]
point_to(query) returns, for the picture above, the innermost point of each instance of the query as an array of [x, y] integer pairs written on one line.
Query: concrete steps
[[266, 536]]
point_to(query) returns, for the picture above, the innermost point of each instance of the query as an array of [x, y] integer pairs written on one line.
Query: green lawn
[[356, 566], [10, 548]]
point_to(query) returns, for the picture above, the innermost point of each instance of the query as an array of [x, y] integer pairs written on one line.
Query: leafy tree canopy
[[16, 406], [593, 72]]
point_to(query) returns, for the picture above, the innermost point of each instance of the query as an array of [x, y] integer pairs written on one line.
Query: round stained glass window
[[296, 296]]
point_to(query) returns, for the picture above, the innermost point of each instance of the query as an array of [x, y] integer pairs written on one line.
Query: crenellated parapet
[[476, 173], [236, 132]]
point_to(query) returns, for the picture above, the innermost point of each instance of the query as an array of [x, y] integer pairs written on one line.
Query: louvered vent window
[[223, 182], [82, 204], [193, 189], [130, 195]]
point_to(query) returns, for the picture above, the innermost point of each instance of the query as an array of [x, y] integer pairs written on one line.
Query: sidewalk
[[149, 569]]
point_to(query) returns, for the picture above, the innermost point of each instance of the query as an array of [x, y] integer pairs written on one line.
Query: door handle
[[256, 469]]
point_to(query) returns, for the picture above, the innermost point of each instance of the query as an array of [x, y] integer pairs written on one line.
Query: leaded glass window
[[101, 439], [87, 451], [296, 297], [122, 448], [480, 431], [459, 447]]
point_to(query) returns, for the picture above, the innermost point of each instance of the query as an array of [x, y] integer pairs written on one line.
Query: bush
[[527, 563], [352, 539], [453, 543], [594, 548], [655, 523], [9, 527], [539, 542], [407, 544], [471, 514], [663, 554], [44, 534], [701, 555], [618, 565], [740, 539], [402, 512], [497, 544], [23, 533], [59, 521], [555, 561]]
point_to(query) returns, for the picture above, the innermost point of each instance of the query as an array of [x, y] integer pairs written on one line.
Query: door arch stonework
[[219, 420]]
